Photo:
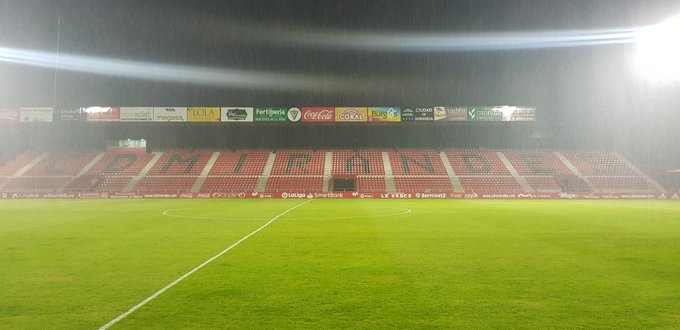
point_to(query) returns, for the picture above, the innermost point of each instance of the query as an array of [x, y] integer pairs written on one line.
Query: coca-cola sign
[[318, 114]]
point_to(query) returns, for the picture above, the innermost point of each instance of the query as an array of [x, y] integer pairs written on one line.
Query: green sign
[[484, 114], [277, 114]]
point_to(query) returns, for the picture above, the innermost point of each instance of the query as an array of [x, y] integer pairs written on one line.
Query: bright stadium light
[[658, 51]]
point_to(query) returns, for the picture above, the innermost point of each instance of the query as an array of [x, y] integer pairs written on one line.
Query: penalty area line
[[187, 274]]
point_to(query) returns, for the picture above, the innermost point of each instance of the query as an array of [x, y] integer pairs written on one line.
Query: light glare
[[658, 51]]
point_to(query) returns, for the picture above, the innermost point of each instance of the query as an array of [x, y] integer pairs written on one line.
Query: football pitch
[[297, 263]]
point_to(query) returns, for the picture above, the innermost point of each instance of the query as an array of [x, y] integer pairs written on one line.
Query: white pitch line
[[167, 214], [405, 211], [165, 288]]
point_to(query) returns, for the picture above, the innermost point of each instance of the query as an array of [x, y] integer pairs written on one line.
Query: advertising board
[[70, 115], [384, 114], [484, 114], [318, 114], [203, 114], [102, 114], [136, 114], [351, 114], [169, 114], [450, 113], [412, 114], [36, 115], [237, 114], [271, 114]]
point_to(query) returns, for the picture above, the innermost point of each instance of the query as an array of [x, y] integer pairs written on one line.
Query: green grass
[[341, 264]]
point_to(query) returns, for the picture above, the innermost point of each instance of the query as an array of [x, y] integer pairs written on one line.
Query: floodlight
[[658, 51]]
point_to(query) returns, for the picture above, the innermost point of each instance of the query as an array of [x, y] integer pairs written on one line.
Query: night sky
[[587, 84]]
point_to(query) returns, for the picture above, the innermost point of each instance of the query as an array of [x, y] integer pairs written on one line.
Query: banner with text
[[417, 114], [102, 114], [318, 114], [70, 115], [136, 114], [324, 195], [203, 114], [484, 114], [271, 114], [351, 115], [237, 114], [169, 114], [36, 115], [450, 113], [517, 113], [384, 114]]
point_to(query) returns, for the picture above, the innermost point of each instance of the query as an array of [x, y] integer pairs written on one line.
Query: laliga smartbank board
[[384, 114], [351, 115], [203, 114]]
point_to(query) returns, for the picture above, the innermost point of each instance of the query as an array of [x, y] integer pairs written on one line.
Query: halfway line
[[159, 292]]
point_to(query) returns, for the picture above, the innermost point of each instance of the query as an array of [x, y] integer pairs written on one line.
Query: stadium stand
[[121, 163], [358, 162], [181, 162], [229, 184], [416, 162], [299, 162], [469, 162], [62, 164], [370, 183], [243, 162], [295, 183], [10, 167], [374, 170]]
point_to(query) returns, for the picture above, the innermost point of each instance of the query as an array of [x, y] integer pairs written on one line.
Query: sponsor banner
[[102, 114], [237, 114], [484, 114], [384, 114], [294, 114], [417, 114], [451, 113], [136, 114], [350, 115], [318, 114], [169, 114], [36, 115], [371, 195], [271, 114], [203, 114], [9, 115], [70, 115], [518, 113]]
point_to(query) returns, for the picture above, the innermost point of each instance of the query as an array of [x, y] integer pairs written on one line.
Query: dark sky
[[245, 35]]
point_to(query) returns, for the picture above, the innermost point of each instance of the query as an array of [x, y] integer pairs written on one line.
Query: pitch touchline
[[165, 288]]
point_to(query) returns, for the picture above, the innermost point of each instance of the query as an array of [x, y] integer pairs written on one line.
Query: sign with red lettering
[[102, 114], [318, 114]]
